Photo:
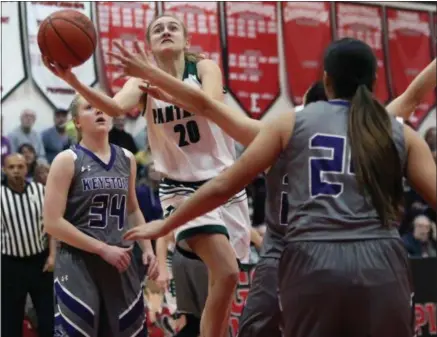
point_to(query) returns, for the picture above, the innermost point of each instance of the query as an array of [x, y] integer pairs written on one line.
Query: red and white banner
[[364, 22], [13, 68], [409, 49], [55, 90], [303, 22], [434, 36], [203, 25], [252, 55], [124, 22]]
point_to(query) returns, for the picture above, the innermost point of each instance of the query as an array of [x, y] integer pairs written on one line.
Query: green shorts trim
[[190, 232]]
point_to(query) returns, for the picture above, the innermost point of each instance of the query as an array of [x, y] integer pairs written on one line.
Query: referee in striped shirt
[[27, 257]]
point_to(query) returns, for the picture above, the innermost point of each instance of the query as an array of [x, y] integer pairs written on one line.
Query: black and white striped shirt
[[21, 221]]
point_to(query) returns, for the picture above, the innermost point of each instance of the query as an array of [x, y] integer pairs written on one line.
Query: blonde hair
[[74, 111], [189, 55]]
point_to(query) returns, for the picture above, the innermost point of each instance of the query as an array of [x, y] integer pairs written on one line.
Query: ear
[[187, 44], [327, 84], [76, 123]]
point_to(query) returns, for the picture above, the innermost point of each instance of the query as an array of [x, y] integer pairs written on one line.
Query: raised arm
[[421, 167], [405, 104], [205, 102], [124, 101], [260, 154]]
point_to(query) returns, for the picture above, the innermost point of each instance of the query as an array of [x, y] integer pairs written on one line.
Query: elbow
[[117, 111], [49, 226]]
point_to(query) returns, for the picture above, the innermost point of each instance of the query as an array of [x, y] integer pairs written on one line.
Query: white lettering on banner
[[123, 22], [251, 7], [253, 55], [59, 93], [13, 72], [291, 14], [203, 5], [408, 21], [359, 15], [361, 22], [200, 18], [61, 4], [254, 103]]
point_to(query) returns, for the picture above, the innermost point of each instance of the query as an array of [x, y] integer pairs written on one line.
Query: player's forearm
[[52, 246], [136, 218], [186, 94], [97, 99], [161, 251], [256, 238], [404, 105], [210, 196], [238, 126], [64, 231]]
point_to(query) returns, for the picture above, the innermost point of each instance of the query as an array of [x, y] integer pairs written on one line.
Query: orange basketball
[[67, 37]]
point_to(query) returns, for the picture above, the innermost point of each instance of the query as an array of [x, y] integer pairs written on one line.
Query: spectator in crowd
[[24, 134], [120, 137], [431, 137], [5, 143], [147, 194], [421, 241], [141, 140], [29, 153], [41, 173], [28, 256], [71, 131], [55, 138]]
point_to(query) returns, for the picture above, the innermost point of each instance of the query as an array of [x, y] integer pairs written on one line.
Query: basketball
[[67, 37]]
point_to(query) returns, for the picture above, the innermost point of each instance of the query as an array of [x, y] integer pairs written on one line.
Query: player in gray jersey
[[90, 201], [261, 315], [343, 271]]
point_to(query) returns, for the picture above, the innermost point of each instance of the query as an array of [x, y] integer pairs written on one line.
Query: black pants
[[22, 276], [346, 289]]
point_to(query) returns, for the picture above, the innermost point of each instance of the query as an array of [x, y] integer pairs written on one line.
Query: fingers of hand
[[122, 50], [119, 76], [139, 50], [123, 60], [49, 65], [153, 271], [123, 261], [59, 69], [128, 235]]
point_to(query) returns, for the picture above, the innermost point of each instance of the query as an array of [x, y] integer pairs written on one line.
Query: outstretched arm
[[124, 101], [421, 167], [405, 104], [237, 125], [260, 154], [205, 102]]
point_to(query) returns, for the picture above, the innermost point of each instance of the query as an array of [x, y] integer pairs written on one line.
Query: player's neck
[[98, 145], [173, 66]]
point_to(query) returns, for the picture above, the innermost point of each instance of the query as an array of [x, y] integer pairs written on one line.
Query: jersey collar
[[106, 166], [339, 102]]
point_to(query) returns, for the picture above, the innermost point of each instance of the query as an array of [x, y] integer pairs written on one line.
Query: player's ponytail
[[74, 111], [193, 57], [375, 159]]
